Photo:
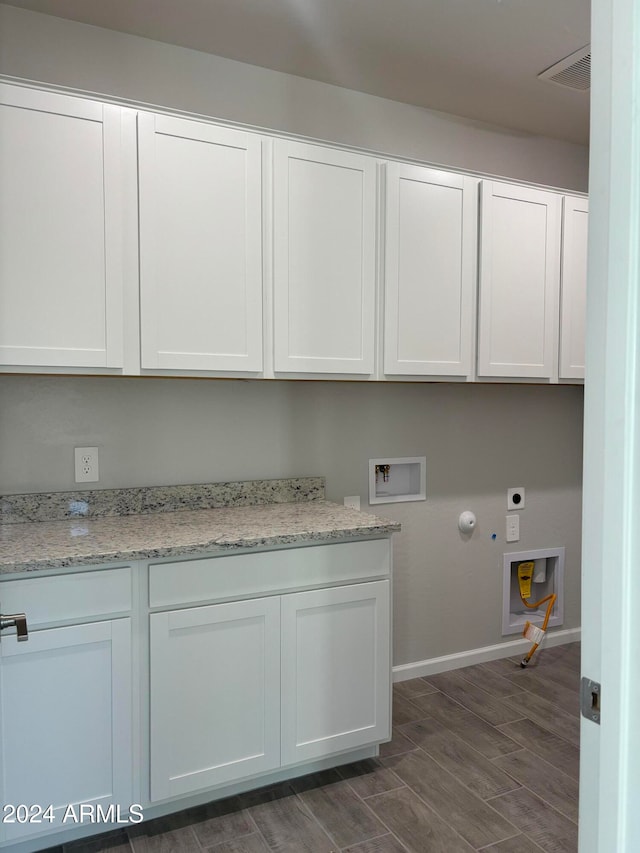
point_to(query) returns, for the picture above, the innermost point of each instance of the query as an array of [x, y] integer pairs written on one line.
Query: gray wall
[[65, 53], [478, 440]]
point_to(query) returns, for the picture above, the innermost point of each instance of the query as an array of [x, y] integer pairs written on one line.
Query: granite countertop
[[94, 537]]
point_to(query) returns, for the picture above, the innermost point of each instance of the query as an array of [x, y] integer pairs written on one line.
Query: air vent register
[[573, 72]]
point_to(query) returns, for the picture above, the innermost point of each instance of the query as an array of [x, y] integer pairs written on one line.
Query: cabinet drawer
[[240, 575], [68, 597]]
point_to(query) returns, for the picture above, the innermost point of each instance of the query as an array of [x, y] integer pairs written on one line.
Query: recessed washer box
[[394, 479], [548, 577]]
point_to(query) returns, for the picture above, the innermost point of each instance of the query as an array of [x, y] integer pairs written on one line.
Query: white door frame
[[610, 754]]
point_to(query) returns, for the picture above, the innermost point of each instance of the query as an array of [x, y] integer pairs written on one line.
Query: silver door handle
[[17, 621]]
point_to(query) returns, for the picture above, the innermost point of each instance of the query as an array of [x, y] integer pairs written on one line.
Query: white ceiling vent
[[573, 71]]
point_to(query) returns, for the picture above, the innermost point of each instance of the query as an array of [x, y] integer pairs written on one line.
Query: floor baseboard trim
[[433, 666]]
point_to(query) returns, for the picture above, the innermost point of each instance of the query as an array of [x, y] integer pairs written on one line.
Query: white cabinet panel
[[430, 251], [200, 246], [69, 597], [215, 695], [60, 231], [519, 281], [335, 670], [197, 580], [65, 720], [575, 222], [324, 260]]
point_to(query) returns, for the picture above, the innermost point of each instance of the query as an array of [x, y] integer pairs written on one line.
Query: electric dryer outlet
[[515, 498]]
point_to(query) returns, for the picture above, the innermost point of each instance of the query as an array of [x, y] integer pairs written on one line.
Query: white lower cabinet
[[215, 695], [65, 724], [335, 670], [242, 688], [66, 730], [291, 668]]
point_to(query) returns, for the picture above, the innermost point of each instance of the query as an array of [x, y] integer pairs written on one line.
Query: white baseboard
[[502, 650]]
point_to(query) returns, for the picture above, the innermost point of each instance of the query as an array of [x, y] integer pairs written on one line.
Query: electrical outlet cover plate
[[515, 498], [513, 528], [86, 464]]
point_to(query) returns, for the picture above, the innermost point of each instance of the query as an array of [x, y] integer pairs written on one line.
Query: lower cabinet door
[[65, 727], [336, 670], [215, 695]]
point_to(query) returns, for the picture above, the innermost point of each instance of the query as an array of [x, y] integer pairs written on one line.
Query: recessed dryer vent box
[[548, 577], [397, 479]]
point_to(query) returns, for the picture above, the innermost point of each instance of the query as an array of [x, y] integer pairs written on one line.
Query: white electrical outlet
[[352, 501], [513, 528], [86, 464]]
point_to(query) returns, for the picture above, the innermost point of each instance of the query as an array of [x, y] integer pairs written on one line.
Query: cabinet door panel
[[575, 222], [215, 695], [335, 670], [200, 246], [430, 271], [60, 231], [324, 260], [65, 720], [519, 281]]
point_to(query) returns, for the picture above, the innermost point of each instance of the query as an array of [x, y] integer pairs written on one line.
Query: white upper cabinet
[[519, 281], [60, 231], [430, 271], [200, 246], [575, 221], [324, 260], [82, 212]]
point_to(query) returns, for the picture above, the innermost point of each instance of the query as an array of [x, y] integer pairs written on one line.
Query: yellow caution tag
[[525, 573]]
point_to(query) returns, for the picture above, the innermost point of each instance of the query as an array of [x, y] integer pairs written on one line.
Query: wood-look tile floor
[[482, 758]]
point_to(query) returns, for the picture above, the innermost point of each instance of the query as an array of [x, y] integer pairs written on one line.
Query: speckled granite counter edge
[[103, 503], [201, 549]]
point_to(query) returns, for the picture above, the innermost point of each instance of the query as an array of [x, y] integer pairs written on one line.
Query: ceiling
[[474, 58]]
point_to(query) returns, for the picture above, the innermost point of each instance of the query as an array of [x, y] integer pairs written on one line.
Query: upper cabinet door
[[60, 231], [519, 281], [200, 246], [430, 268], [575, 221], [324, 260]]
